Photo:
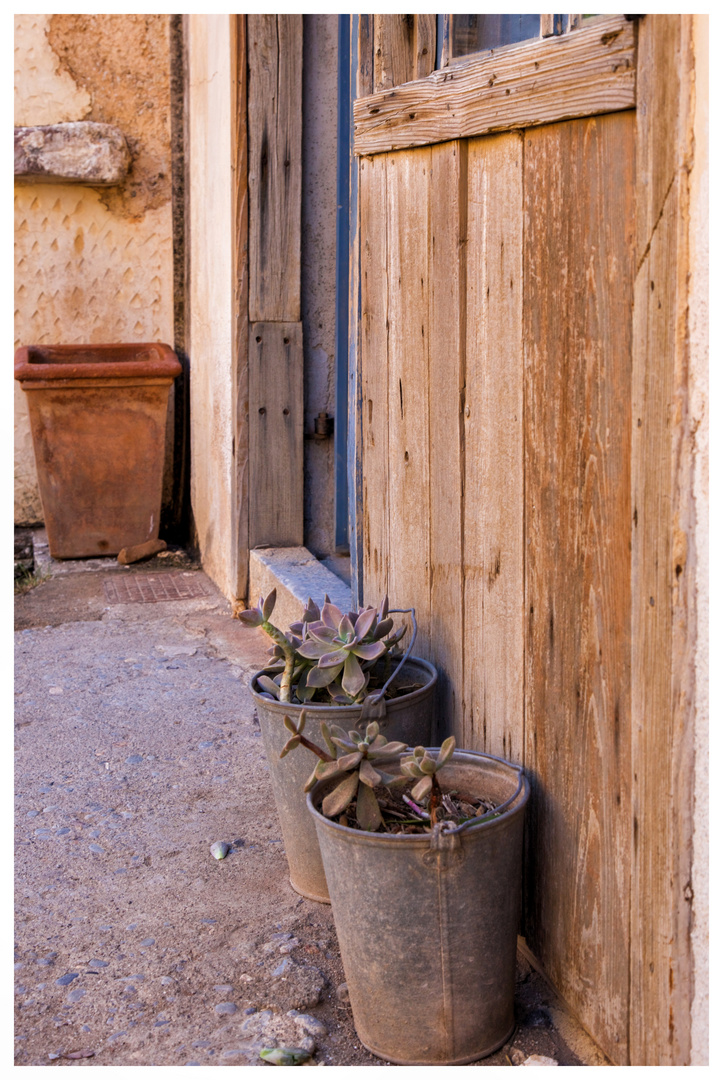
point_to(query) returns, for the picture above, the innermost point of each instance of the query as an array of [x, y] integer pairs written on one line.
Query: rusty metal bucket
[[408, 719], [427, 925], [98, 418]]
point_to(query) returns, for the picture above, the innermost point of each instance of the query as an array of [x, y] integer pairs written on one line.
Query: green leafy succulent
[[357, 761], [326, 651]]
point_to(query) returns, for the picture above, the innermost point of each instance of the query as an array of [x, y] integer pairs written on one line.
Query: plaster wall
[[211, 315], [699, 330], [92, 264], [318, 270]]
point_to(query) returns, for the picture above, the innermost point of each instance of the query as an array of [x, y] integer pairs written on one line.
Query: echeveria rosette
[[337, 644], [359, 761]]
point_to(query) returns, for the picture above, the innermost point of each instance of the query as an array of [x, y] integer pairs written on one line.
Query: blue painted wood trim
[[341, 343]]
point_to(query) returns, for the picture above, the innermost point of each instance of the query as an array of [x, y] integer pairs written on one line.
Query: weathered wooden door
[[518, 375]]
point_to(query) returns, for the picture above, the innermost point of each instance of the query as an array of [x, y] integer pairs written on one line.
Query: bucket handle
[[439, 829], [374, 706]]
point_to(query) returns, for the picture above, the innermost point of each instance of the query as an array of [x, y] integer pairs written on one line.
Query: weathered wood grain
[[425, 45], [374, 375], [408, 176], [274, 120], [447, 380], [589, 72], [579, 252], [394, 54], [365, 69], [240, 368], [663, 559], [658, 121], [493, 440], [276, 434]]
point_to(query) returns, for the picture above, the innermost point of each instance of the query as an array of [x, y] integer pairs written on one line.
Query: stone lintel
[[82, 152]]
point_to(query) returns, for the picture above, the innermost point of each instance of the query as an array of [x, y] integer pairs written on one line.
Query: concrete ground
[[137, 748]]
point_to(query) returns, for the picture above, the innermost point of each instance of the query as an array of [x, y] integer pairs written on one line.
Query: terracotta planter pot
[[98, 418]]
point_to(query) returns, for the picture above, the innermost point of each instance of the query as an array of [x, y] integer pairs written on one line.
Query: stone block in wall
[[83, 152]]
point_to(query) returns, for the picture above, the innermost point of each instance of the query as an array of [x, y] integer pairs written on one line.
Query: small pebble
[[342, 993], [97, 963], [205, 745], [65, 980], [96, 849], [134, 759], [166, 980], [32, 813], [147, 942], [223, 989], [285, 966], [76, 995], [539, 1059], [219, 850], [226, 1008], [309, 1024]]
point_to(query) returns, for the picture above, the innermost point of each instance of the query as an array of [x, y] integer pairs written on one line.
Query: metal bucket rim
[[347, 710], [424, 840]]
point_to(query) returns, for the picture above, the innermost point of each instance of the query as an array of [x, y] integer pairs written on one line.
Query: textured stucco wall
[[699, 330], [318, 270], [211, 313], [92, 264]]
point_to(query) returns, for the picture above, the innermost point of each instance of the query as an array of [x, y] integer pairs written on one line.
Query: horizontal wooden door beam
[[585, 73]]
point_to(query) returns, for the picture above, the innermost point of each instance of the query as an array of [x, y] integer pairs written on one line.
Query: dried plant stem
[[435, 800]]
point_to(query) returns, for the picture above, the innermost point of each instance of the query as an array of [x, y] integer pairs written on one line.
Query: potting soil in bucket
[[427, 923]]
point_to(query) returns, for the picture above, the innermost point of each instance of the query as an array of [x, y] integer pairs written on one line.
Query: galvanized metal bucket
[[408, 719], [427, 924]]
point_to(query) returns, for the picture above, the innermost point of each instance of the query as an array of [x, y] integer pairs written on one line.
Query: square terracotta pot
[[98, 418]]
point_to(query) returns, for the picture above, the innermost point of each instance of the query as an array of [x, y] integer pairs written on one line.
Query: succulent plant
[[358, 761], [326, 651], [422, 767]]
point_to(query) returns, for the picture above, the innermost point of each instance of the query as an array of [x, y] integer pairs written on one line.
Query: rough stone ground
[[136, 749]]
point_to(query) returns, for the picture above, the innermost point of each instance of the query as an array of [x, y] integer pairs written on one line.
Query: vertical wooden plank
[[374, 375], [493, 486], [240, 372], [425, 45], [578, 275], [365, 69], [657, 119], [274, 117], [359, 59], [393, 50], [276, 434], [408, 177], [663, 557], [447, 309]]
